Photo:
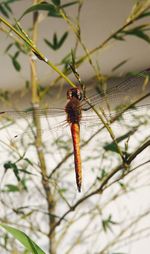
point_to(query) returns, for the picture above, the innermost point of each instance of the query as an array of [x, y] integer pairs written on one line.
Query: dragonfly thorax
[[73, 111]]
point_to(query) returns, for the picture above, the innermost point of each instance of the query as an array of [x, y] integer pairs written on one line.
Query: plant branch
[[36, 51], [66, 157], [112, 36], [38, 140], [102, 186]]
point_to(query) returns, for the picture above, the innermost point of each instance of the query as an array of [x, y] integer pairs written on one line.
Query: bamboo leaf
[[13, 166], [16, 54], [112, 146], [56, 2], [8, 7], [56, 44], [25, 240], [9, 1], [50, 8], [16, 64], [11, 188], [103, 174], [138, 32], [108, 223], [120, 65], [49, 43], [62, 39], [8, 47], [29, 161], [118, 37], [55, 41], [4, 11], [54, 12]]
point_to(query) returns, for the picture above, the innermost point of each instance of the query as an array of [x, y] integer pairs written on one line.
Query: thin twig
[[101, 188]]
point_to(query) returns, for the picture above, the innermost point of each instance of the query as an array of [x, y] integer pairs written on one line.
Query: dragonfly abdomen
[[73, 111], [75, 131]]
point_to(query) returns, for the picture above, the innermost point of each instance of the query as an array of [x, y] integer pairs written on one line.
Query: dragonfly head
[[74, 92]]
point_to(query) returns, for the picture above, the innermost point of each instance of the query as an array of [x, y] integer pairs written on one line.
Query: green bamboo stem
[[37, 52], [39, 143]]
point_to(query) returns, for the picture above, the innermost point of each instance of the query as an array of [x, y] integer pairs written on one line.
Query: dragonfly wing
[[44, 112], [52, 120], [123, 92], [134, 113]]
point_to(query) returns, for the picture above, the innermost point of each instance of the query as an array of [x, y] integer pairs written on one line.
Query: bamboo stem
[[38, 142], [36, 51]]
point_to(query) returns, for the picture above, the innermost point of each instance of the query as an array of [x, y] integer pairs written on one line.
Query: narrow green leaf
[[103, 174], [13, 166], [11, 188], [62, 39], [67, 58], [56, 2], [49, 43], [55, 41], [23, 183], [4, 11], [16, 54], [9, 1], [143, 15], [52, 10], [120, 65], [29, 162], [118, 37], [8, 47], [8, 8], [16, 64], [112, 146], [123, 186], [139, 33], [23, 239], [6, 238], [26, 172], [22, 48], [63, 190], [108, 223]]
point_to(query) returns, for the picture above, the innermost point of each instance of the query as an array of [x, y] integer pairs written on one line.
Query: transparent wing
[[28, 113], [124, 91], [58, 126], [136, 113], [125, 87]]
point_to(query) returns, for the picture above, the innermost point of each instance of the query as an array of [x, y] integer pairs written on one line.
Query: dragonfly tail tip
[[79, 188]]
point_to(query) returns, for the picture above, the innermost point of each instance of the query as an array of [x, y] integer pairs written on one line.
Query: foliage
[[38, 194], [24, 239]]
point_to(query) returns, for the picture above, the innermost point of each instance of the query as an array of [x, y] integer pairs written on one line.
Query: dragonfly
[[77, 103]]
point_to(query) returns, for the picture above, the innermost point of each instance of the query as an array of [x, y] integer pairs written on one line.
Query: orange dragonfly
[[77, 104]]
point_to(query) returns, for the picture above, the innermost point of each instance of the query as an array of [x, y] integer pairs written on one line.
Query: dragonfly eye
[[74, 92], [79, 95]]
